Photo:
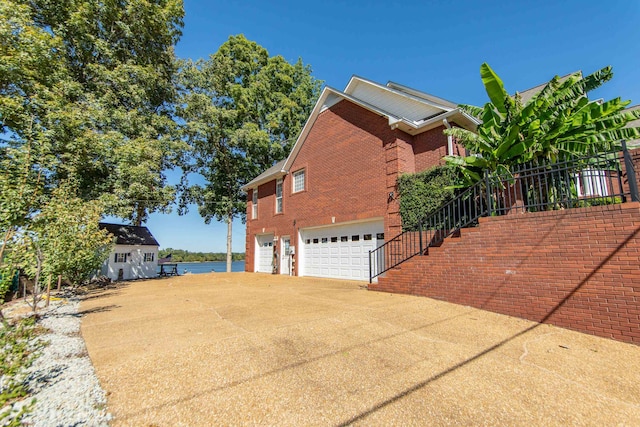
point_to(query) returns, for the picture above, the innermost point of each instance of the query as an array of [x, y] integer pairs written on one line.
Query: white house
[[135, 255]]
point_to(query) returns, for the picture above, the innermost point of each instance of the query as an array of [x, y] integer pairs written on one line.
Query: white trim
[[280, 207], [254, 203]]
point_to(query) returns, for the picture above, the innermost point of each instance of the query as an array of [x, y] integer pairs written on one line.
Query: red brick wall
[[429, 148], [578, 269], [352, 160], [345, 167]]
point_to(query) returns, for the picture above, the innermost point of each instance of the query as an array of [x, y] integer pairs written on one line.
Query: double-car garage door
[[340, 252]]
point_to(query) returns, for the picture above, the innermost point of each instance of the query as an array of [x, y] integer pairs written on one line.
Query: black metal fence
[[574, 182]]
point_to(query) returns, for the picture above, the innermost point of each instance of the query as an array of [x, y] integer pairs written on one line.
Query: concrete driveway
[[255, 349]]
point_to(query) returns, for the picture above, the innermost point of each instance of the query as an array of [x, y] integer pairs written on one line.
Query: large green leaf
[[494, 87]]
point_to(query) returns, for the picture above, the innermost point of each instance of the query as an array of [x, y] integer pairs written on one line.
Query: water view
[[208, 267]]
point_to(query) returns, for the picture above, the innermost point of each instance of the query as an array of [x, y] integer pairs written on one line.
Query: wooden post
[[59, 281], [48, 290]]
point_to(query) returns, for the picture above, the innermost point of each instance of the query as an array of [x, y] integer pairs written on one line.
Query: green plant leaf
[[494, 87]]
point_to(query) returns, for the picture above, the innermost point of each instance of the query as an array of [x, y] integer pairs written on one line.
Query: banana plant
[[558, 121]]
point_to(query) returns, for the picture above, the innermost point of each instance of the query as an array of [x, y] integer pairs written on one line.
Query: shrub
[[424, 192]]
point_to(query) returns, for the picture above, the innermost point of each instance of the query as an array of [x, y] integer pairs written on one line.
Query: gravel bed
[[62, 379]]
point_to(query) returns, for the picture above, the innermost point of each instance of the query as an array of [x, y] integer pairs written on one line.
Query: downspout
[[449, 138]]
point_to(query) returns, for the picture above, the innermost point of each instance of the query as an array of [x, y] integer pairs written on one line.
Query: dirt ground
[[256, 349]]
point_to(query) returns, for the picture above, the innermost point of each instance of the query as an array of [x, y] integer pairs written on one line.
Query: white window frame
[[254, 204], [296, 187], [149, 257], [279, 196], [121, 257]]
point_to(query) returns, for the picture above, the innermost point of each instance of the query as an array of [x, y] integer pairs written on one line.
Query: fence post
[[370, 269], [631, 173], [420, 231], [487, 183]]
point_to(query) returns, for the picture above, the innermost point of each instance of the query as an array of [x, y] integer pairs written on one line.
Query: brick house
[[320, 211]]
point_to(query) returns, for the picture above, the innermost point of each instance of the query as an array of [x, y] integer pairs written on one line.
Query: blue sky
[[433, 46]]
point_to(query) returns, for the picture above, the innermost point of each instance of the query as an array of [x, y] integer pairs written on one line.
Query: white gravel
[[62, 379]]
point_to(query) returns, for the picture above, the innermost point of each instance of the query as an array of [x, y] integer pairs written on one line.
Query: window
[[121, 257], [344, 238], [148, 257], [592, 182], [367, 237], [308, 241], [254, 204], [298, 181], [279, 196], [380, 236], [334, 239], [315, 241], [325, 240], [355, 238]]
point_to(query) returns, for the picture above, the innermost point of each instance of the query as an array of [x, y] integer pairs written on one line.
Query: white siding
[[135, 267]]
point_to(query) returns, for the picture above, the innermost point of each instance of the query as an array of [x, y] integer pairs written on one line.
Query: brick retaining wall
[[578, 269]]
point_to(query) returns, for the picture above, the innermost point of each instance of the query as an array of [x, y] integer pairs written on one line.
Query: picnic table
[[168, 270]]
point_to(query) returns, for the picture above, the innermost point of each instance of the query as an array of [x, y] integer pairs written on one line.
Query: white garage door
[[340, 252], [264, 253]]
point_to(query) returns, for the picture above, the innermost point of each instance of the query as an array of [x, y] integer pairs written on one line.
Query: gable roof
[[130, 234], [274, 172], [406, 109]]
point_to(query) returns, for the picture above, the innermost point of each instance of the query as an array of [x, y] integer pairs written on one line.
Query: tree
[[86, 103], [242, 111], [105, 91], [558, 121]]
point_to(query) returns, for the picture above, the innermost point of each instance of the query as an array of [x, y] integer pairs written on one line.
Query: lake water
[[208, 267]]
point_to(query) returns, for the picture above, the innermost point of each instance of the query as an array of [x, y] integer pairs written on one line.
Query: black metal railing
[[532, 187]]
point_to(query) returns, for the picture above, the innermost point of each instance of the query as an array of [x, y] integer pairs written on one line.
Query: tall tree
[[110, 125], [559, 120], [86, 98], [242, 110]]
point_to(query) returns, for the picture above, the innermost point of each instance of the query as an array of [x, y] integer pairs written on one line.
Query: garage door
[[264, 253], [340, 252]]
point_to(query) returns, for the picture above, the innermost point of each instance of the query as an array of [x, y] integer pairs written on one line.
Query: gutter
[[449, 137]]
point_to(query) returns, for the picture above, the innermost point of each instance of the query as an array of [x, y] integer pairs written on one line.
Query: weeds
[[18, 350]]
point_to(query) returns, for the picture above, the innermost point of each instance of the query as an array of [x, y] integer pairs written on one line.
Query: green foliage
[[90, 86], [558, 121], [18, 350], [86, 103], [422, 193], [242, 110], [180, 255], [71, 242]]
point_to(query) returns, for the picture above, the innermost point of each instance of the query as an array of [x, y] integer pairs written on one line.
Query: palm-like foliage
[[559, 120]]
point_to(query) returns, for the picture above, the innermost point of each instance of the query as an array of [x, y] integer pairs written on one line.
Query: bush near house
[[424, 192]]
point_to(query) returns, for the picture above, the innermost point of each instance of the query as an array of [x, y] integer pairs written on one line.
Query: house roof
[[526, 95], [406, 109], [130, 234], [268, 175]]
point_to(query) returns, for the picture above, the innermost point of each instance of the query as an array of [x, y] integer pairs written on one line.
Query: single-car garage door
[[340, 251], [264, 253]]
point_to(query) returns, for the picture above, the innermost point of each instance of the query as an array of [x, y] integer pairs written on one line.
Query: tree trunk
[[139, 214], [229, 228]]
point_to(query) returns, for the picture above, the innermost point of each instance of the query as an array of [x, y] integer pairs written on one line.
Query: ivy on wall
[[422, 193]]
